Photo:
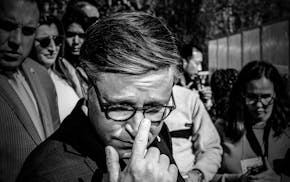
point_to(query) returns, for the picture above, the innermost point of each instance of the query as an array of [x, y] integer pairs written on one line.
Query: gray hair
[[130, 43]]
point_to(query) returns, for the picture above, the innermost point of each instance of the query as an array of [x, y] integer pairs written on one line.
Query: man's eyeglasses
[[265, 99], [45, 41], [9, 26], [123, 112]]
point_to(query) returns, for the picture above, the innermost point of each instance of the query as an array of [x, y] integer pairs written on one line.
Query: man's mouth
[[11, 55], [50, 56]]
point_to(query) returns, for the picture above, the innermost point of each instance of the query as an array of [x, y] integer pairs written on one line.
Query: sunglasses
[[10, 26], [45, 41]]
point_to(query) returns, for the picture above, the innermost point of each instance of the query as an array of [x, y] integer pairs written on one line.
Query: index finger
[[141, 139]]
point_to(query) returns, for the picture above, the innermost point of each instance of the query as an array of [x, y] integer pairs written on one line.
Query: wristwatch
[[199, 174]]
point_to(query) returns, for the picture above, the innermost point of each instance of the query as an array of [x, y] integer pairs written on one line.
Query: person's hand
[[189, 85], [244, 177], [150, 166], [192, 176], [266, 176], [205, 93]]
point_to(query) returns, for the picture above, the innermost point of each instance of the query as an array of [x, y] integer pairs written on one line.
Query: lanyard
[[253, 141]]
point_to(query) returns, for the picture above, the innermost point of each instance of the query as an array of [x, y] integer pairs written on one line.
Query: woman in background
[[255, 132], [78, 17], [47, 50]]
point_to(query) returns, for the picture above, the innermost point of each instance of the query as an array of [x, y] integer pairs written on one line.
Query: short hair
[[237, 117], [186, 50], [129, 43], [74, 14]]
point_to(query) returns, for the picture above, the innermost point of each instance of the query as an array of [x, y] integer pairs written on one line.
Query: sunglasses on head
[[45, 41]]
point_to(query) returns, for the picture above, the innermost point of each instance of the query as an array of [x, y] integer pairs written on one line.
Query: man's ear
[[84, 81]]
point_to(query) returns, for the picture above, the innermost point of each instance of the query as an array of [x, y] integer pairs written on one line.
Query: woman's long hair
[[237, 118]]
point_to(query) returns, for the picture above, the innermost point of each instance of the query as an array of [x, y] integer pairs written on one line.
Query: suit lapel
[[39, 92], [13, 100]]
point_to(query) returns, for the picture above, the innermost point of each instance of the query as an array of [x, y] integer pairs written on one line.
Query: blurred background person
[[90, 11], [28, 108], [195, 140], [78, 17], [192, 65], [256, 133], [221, 83], [48, 50]]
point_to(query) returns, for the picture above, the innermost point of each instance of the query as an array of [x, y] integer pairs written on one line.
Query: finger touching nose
[[133, 123]]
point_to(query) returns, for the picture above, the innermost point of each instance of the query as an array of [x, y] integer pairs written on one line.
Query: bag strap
[[253, 141]]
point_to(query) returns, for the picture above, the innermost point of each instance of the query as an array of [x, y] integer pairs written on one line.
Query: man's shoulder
[[54, 159], [184, 92], [47, 154]]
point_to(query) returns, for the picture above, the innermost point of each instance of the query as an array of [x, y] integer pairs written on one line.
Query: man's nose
[[134, 122], [52, 45], [76, 39], [259, 103], [15, 38]]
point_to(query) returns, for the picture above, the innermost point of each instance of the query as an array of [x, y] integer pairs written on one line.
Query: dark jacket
[[18, 135], [74, 153]]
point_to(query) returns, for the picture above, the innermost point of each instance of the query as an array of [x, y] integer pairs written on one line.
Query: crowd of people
[[89, 97]]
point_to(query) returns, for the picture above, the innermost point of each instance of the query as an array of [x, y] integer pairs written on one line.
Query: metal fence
[[268, 42]]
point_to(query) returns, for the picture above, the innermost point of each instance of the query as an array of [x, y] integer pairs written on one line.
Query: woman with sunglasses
[[255, 132], [47, 50]]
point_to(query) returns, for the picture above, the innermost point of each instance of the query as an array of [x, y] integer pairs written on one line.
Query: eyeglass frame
[[259, 99], [104, 107]]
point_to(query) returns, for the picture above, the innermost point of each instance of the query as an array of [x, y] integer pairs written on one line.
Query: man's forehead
[[20, 11], [162, 75], [118, 85]]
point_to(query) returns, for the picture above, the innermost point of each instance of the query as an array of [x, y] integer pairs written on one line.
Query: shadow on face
[[18, 22]]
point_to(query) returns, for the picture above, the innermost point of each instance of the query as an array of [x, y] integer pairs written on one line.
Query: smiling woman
[[48, 51]]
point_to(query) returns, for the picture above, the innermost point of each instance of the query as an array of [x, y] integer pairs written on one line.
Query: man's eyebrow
[[131, 103]]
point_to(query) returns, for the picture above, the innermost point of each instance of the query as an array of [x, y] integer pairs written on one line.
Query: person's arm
[[207, 144]]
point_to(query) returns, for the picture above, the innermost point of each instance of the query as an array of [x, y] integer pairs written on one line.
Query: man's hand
[[266, 176], [150, 166], [205, 94]]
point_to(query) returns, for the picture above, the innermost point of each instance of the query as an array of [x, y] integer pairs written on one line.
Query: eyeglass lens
[[154, 113], [265, 99]]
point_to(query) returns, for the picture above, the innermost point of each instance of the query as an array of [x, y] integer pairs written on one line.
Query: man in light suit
[[28, 108]]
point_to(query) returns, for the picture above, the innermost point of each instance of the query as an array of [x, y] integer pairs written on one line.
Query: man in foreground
[[130, 64]]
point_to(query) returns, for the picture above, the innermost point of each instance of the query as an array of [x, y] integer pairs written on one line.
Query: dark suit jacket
[[18, 136], [75, 154]]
